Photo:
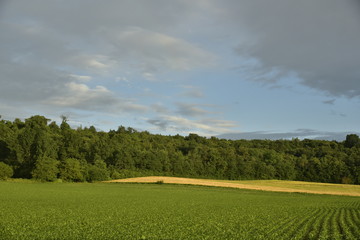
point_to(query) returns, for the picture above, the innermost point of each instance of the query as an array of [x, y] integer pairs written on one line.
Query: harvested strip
[[207, 182]]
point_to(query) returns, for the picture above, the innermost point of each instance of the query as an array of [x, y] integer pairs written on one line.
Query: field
[[30, 210], [264, 185]]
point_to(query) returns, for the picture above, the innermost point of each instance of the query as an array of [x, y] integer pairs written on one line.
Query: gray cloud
[[52, 53], [90, 17], [57, 55], [329, 102], [316, 39], [137, 34], [192, 91], [190, 110], [160, 124], [338, 114], [156, 51], [37, 85], [159, 108], [29, 82]]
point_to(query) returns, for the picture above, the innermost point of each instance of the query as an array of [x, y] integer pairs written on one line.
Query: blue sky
[[256, 69]]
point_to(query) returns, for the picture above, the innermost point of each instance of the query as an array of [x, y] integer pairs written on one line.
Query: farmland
[[264, 185], [30, 210]]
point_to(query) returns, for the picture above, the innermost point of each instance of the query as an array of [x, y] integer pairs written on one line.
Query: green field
[[30, 210]]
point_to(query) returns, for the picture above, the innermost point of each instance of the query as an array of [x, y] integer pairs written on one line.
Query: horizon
[[300, 134]]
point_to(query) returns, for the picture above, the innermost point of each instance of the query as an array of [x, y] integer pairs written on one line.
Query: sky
[[230, 68]]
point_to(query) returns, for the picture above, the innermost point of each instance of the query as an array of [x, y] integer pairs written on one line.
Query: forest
[[41, 149]]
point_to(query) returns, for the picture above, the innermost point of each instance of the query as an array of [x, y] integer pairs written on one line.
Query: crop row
[[145, 211], [323, 223]]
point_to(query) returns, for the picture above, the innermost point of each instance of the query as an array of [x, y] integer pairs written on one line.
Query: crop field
[[264, 185], [30, 210]]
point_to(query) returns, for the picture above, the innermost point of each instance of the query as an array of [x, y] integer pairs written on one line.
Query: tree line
[[41, 149]]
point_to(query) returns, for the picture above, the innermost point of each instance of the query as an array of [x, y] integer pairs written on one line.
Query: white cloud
[[93, 63], [121, 79], [149, 76], [187, 124], [77, 95], [82, 97], [221, 123], [205, 127], [81, 78], [96, 64]]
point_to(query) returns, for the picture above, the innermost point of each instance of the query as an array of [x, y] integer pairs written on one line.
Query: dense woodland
[[40, 149]]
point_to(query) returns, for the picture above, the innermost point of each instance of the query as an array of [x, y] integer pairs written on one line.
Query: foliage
[[91, 155], [46, 169], [71, 170], [5, 171], [151, 211], [98, 172], [352, 140]]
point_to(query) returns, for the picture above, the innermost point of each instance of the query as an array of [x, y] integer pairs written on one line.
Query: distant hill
[[300, 133]]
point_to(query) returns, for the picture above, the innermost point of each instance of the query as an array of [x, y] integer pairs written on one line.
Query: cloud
[[89, 18], [205, 127], [29, 83], [80, 78], [192, 92], [96, 64], [220, 123], [317, 40], [92, 63], [190, 110], [121, 79], [104, 35], [330, 101], [335, 113], [159, 108], [43, 49], [149, 76], [160, 124], [48, 56], [78, 56], [154, 51], [80, 96]]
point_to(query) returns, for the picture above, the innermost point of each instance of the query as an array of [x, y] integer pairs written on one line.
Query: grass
[[31, 210]]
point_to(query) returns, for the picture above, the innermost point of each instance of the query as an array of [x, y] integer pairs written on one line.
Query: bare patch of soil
[[207, 182]]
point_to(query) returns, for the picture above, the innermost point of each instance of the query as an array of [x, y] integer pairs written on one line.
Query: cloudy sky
[[257, 67]]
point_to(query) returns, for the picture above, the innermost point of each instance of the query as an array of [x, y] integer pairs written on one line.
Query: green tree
[[98, 171], [36, 141], [5, 171], [46, 169], [351, 140], [71, 170]]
